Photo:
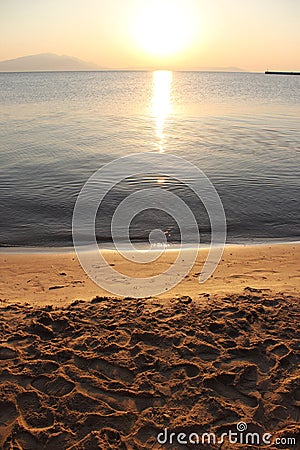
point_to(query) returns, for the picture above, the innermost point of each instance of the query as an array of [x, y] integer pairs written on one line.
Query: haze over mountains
[[46, 62], [50, 62]]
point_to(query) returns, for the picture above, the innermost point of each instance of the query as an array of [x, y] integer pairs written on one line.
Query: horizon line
[[133, 70]]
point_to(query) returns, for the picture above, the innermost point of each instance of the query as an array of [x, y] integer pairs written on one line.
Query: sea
[[242, 130]]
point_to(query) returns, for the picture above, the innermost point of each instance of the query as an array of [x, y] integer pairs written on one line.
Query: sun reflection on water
[[161, 103]]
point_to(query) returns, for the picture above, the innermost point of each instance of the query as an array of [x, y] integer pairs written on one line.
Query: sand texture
[[111, 374]]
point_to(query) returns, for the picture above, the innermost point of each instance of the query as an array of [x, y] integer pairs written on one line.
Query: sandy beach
[[57, 278], [83, 370], [149, 228]]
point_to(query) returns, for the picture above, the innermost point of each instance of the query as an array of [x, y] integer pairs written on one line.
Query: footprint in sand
[[151, 339], [247, 378], [33, 412], [206, 352], [190, 370], [223, 385], [147, 435], [26, 441], [296, 394], [223, 311], [105, 438], [112, 371], [109, 370], [254, 355], [8, 353], [288, 361], [85, 403], [8, 413], [56, 386], [93, 421], [280, 350]]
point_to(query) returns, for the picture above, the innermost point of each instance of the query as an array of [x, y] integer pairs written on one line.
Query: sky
[[160, 34]]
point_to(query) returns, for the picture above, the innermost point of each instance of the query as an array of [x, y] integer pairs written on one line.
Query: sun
[[163, 28]]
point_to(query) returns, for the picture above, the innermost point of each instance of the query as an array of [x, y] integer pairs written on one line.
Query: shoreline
[[58, 278], [23, 250]]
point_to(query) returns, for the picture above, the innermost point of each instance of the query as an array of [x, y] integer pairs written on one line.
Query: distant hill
[[220, 69], [45, 62]]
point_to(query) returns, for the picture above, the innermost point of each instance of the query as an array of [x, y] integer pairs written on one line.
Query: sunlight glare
[[163, 28], [161, 102]]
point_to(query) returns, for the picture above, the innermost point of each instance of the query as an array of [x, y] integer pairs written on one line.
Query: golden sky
[[168, 34]]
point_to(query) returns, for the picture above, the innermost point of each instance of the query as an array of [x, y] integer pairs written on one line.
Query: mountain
[[46, 62], [219, 69]]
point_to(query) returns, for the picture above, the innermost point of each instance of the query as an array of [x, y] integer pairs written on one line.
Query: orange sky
[[174, 34]]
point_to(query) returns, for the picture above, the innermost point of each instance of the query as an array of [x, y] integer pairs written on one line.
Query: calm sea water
[[57, 129]]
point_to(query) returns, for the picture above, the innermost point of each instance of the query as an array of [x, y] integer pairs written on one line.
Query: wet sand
[[58, 279]]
